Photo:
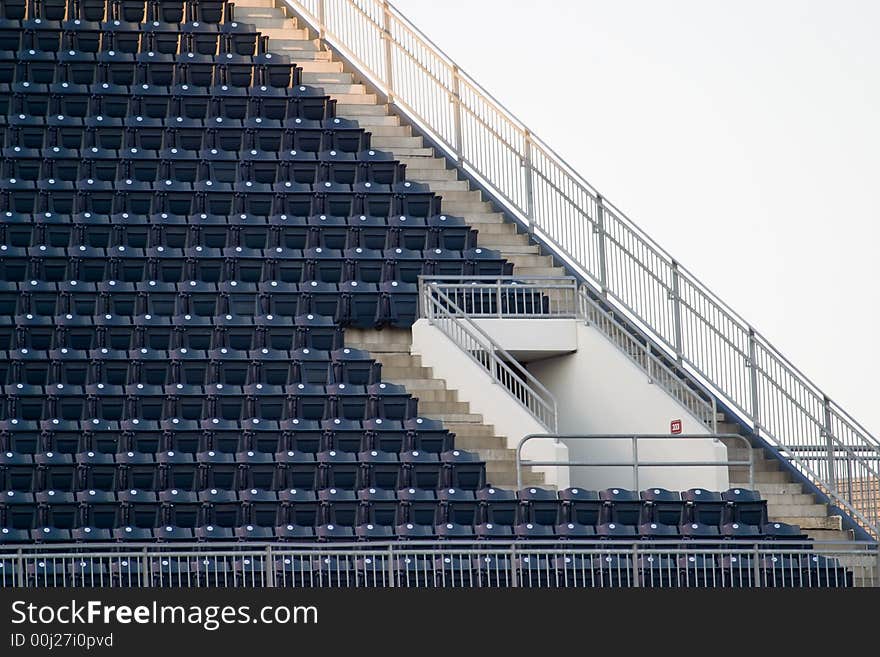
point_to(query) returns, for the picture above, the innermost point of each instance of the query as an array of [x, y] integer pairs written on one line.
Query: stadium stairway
[[391, 347], [788, 499]]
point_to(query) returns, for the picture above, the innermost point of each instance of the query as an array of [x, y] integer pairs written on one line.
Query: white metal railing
[[453, 563], [599, 241], [636, 463], [560, 297], [442, 312]]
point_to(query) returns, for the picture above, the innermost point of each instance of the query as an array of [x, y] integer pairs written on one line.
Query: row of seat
[[173, 11], [329, 532], [163, 273], [91, 38], [181, 108], [204, 197], [362, 177], [367, 309], [300, 482], [147, 71], [136, 479]]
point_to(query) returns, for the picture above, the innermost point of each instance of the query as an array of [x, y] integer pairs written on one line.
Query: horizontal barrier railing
[[442, 311], [575, 564], [510, 297], [630, 270], [636, 463]]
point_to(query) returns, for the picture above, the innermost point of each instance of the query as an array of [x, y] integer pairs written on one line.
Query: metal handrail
[[635, 463], [514, 297], [634, 273], [513, 562], [505, 370]]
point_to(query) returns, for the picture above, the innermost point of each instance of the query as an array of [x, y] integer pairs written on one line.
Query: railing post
[[829, 445], [753, 380], [389, 62], [19, 567], [756, 566], [146, 578], [675, 296], [269, 568], [635, 440], [599, 229], [636, 583], [391, 583], [527, 166], [498, 298], [513, 569], [456, 113], [322, 13]]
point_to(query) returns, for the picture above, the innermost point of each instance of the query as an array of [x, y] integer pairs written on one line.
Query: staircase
[[788, 501], [391, 347]]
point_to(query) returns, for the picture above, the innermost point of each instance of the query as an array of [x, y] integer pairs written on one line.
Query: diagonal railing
[[441, 311], [554, 297], [630, 270]]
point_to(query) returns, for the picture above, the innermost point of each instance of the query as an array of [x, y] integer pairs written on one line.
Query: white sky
[[743, 136]]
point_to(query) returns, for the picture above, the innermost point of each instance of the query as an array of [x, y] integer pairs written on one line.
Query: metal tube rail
[[565, 299], [510, 563], [442, 311], [631, 271], [635, 463]]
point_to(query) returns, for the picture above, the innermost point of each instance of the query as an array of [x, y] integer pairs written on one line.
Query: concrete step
[[275, 24], [409, 150], [798, 498], [422, 163], [241, 4], [540, 271], [485, 444], [811, 522], [797, 511], [529, 261], [357, 110], [401, 360], [394, 144], [325, 79], [470, 429], [395, 373], [281, 37], [506, 240], [499, 228], [318, 67], [423, 395], [446, 186], [417, 385], [390, 131], [457, 417], [465, 208], [368, 122], [434, 408], [343, 90], [775, 488], [431, 175], [829, 534], [485, 218]]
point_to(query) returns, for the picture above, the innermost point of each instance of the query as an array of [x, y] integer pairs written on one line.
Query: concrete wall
[[600, 391], [498, 408]]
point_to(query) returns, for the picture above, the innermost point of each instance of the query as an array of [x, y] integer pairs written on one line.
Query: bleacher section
[[186, 233]]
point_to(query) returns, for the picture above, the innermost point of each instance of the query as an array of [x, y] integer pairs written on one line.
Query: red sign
[[675, 427]]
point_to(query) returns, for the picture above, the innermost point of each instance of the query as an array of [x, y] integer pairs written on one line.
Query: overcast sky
[[743, 136]]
